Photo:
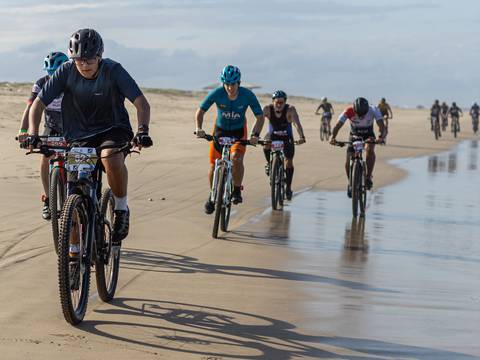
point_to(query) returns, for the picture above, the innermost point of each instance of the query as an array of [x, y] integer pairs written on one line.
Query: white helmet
[[324, 99]]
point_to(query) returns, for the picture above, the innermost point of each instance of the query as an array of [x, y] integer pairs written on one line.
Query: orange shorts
[[215, 148]]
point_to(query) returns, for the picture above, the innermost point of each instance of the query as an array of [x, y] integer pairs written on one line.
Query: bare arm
[[336, 129], [199, 118], [35, 116], [381, 127], [258, 126], [390, 111], [24, 122], [318, 108], [295, 120], [143, 112]]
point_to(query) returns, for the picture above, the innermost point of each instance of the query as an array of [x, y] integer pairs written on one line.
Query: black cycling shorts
[[289, 149], [115, 137]]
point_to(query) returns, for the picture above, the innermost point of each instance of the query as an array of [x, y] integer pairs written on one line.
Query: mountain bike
[[436, 127], [455, 125], [324, 131], [54, 147], [277, 172], [86, 220], [444, 121], [222, 184], [475, 123], [357, 173]]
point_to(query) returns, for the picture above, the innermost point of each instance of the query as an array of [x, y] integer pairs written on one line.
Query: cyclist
[[385, 110], [232, 101], [327, 112], [435, 112], [94, 114], [444, 114], [53, 120], [281, 116], [455, 112], [474, 112], [362, 117]]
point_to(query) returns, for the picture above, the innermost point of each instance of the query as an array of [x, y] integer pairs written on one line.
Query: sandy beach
[[172, 270]]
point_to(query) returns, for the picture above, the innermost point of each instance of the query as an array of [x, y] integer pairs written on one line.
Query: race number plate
[[277, 145], [358, 146], [226, 141], [81, 159]]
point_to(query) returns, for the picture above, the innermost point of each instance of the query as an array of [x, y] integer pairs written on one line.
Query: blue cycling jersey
[[231, 113]]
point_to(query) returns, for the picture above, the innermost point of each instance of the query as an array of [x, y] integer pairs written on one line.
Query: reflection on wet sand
[[417, 244]]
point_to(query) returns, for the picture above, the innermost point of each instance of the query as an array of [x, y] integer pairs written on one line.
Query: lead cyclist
[[232, 101]]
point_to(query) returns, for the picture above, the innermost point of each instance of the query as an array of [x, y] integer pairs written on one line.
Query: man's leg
[[117, 177], [370, 150], [266, 152], [45, 177], [238, 171]]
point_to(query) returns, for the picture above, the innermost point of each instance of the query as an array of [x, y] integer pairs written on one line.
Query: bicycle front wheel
[[274, 173], [220, 186], [107, 261], [57, 190], [74, 273], [357, 180]]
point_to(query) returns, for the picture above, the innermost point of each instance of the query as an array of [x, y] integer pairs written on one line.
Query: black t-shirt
[[92, 106], [53, 112]]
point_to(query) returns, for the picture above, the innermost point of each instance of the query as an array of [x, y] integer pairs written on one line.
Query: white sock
[[121, 203]]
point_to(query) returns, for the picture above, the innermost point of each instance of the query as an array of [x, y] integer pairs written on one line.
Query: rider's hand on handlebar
[[333, 141], [301, 140], [31, 142], [253, 140], [380, 140], [200, 133], [142, 139]]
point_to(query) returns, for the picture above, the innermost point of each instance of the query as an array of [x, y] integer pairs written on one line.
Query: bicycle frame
[[223, 163]]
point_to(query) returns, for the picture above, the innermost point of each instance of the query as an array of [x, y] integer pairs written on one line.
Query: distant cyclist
[[455, 113], [385, 110], [232, 101], [474, 112], [362, 117], [53, 120], [281, 117], [435, 112], [327, 113], [444, 114]]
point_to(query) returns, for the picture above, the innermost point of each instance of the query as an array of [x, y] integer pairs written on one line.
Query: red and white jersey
[[363, 122]]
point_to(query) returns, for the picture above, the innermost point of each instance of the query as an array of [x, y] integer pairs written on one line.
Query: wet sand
[[181, 294]]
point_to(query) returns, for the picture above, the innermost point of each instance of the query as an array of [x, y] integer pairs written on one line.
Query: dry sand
[[181, 294]]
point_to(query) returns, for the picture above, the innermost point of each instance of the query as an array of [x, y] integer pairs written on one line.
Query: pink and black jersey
[[363, 122]]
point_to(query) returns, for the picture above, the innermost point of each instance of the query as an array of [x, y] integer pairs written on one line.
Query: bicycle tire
[[455, 128], [226, 209], [273, 182], [280, 184], [356, 187], [436, 129], [363, 190], [322, 133], [218, 201], [107, 261], [57, 198], [73, 314]]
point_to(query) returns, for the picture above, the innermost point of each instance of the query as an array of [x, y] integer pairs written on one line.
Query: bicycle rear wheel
[[107, 261], [455, 128], [437, 130], [57, 190], [220, 186], [73, 274], [357, 174]]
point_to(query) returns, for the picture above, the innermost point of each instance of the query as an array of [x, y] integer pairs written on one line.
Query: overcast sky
[[410, 51]]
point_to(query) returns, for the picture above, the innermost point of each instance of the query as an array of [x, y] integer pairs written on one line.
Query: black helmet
[[454, 103], [360, 106], [436, 101], [85, 43], [279, 94], [383, 100]]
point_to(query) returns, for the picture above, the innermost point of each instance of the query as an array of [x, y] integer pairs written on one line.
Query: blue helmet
[[53, 61], [230, 75], [279, 94]]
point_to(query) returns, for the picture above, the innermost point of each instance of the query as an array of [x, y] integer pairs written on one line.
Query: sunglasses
[[85, 61]]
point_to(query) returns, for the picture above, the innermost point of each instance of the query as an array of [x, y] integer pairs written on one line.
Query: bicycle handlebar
[[343, 143]]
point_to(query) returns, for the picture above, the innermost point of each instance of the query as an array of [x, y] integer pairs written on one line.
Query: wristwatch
[[143, 128]]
